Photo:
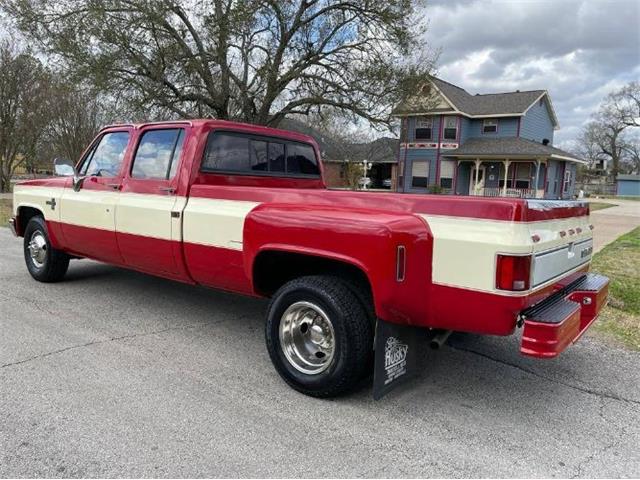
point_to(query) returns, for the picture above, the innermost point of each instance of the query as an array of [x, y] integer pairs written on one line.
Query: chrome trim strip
[[555, 249]]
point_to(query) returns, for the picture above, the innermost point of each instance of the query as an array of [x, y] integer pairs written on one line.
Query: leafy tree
[[251, 60]]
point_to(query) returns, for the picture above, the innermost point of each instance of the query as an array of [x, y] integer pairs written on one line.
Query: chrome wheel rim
[[307, 338], [37, 248]]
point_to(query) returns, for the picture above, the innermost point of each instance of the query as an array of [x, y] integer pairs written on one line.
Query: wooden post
[[475, 182], [535, 187], [506, 175]]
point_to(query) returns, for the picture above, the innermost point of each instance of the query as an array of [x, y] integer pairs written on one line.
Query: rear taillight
[[513, 272]]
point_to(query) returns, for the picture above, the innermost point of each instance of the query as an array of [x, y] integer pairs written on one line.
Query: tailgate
[[562, 238]]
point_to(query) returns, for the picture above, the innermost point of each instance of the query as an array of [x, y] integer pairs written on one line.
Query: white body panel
[[218, 223], [89, 208], [465, 250], [146, 214], [37, 197]]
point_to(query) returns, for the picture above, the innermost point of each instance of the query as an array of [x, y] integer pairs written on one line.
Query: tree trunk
[[5, 182]]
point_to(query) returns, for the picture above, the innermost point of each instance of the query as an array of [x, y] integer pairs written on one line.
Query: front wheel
[[44, 263], [319, 336]]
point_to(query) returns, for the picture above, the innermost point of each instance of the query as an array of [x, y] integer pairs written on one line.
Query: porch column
[[535, 188], [475, 182], [506, 164]]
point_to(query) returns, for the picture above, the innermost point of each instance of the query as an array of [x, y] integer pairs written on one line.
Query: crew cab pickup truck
[[244, 208]]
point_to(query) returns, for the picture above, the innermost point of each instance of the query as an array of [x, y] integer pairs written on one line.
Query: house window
[[424, 128], [521, 178], [490, 126], [447, 168], [567, 181], [450, 128], [420, 174]]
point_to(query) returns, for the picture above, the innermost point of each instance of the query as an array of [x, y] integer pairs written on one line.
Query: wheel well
[[24, 215], [272, 269]]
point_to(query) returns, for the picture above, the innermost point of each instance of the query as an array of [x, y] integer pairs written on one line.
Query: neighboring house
[[493, 145], [381, 155], [628, 185]]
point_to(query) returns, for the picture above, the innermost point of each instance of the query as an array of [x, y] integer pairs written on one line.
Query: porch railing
[[510, 192]]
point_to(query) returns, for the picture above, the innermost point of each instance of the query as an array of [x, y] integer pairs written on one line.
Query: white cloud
[[578, 50]]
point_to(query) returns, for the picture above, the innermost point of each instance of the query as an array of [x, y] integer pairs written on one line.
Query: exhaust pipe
[[440, 337]]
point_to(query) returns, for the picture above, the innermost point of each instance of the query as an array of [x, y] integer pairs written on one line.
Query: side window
[[158, 154], [106, 159], [301, 159]]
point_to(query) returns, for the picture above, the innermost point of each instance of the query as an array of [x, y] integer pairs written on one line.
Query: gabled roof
[[486, 105], [510, 147]]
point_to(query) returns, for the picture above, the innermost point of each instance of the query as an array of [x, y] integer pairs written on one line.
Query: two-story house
[[492, 145]]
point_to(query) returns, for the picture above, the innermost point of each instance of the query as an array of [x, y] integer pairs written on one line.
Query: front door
[[148, 222], [88, 214], [472, 181]]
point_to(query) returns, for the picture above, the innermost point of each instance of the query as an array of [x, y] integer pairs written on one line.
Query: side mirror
[[65, 168]]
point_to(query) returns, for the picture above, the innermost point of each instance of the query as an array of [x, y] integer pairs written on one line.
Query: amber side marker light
[[513, 272]]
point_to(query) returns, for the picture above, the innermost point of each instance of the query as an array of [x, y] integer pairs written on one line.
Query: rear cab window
[[240, 153]]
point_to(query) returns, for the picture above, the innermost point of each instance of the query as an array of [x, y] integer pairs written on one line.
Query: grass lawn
[[5, 211], [620, 261], [593, 206]]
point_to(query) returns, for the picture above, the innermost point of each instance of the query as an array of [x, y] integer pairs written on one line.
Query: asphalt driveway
[[112, 373]]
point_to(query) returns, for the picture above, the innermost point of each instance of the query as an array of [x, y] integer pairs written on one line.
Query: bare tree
[[251, 60], [76, 115], [607, 136], [625, 104], [24, 87], [632, 156]]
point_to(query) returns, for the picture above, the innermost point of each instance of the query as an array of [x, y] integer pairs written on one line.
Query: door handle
[[115, 186], [169, 190]]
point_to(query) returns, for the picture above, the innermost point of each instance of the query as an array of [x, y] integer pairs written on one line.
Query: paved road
[[612, 222], [113, 373]]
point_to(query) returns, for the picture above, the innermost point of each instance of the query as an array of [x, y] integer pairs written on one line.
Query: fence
[[589, 189]]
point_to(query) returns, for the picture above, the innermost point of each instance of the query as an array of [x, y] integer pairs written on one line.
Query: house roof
[[635, 178], [481, 105], [510, 147]]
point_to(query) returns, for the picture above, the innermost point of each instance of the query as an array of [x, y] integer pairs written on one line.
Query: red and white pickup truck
[[245, 209]]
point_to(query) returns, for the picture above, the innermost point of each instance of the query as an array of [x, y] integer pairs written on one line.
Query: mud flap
[[395, 356]]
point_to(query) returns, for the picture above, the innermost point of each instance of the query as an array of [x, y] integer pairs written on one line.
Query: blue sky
[[578, 50]]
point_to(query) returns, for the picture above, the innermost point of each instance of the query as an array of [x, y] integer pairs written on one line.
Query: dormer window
[[424, 128], [490, 125], [450, 128]]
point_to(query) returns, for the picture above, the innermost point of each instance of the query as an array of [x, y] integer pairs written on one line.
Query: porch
[[522, 178]]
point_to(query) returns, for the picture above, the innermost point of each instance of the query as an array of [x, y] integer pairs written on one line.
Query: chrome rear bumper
[[12, 226]]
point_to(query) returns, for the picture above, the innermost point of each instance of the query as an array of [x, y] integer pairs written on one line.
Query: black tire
[[53, 264], [352, 335]]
